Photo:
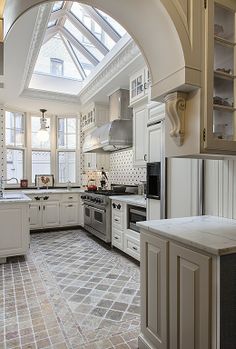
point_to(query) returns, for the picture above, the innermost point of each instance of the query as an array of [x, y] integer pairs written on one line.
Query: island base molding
[[144, 344]]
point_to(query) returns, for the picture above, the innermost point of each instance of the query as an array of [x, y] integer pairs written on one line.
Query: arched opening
[[162, 30]]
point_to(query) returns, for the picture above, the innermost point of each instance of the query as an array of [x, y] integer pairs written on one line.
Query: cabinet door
[[154, 141], [35, 214], [140, 136], [69, 213], [51, 214], [220, 91], [154, 290], [137, 89], [189, 308]]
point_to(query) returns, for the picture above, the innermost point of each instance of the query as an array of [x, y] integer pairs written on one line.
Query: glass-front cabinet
[[219, 133]]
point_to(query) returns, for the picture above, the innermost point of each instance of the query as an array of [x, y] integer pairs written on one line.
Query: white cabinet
[[51, 214], [95, 162], [94, 115], [55, 210], [69, 213], [156, 112], [14, 232], [35, 214], [139, 83], [154, 292], [123, 238], [175, 295], [140, 135]]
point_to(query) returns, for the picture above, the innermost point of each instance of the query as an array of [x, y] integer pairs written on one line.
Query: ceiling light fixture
[[43, 134]]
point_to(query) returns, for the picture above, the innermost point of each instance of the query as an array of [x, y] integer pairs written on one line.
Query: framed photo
[[24, 183], [44, 180]]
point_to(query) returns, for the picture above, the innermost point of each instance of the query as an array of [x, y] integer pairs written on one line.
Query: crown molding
[[118, 62], [51, 96]]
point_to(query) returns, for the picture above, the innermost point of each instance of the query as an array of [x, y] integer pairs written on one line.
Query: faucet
[[2, 180], [69, 185]]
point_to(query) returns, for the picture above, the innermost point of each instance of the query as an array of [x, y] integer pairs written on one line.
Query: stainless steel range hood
[[117, 134]]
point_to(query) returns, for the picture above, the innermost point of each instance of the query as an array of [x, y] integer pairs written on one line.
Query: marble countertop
[[16, 198], [136, 200], [215, 235], [53, 191]]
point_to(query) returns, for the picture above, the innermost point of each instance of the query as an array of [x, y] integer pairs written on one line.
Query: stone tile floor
[[69, 292]]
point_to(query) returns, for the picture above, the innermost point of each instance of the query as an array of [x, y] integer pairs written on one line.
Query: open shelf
[[222, 75], [223, 108], [223, 41]]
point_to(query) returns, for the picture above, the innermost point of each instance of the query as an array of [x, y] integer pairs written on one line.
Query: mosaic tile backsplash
[[122, 170]]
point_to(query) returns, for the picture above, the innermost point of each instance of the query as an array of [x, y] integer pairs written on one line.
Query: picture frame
[[44, 180]]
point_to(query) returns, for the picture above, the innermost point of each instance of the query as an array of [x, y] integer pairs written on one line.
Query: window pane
[[57, 67], [57, 6], [66, 137], [15, 164], [66, 167], [35, 126], [14, 129], [41, 163]]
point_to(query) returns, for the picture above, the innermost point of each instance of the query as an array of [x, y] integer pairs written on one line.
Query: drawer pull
[[117, 220], [134, 248], [70, 206], [70, 197], [116, 237]]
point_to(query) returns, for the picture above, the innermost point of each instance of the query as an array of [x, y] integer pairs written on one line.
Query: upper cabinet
[[139, 83], [94, 115], [203, 122], [220, 111], [140, 115]]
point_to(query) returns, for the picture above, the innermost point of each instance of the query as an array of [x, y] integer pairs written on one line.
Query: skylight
[[77, 39]]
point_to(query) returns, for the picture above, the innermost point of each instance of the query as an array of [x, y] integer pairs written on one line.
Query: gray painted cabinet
[[176, 296]]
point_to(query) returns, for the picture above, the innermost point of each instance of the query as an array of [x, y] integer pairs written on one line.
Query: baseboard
[[144, 344]]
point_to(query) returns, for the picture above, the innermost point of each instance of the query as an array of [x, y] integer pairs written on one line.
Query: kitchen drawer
[[70, 197], [117, 238], [118, 220], [132, 246]]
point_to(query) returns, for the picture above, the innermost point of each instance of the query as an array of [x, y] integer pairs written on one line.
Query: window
[[15, 143], [57, 67], [66, 149], [41, 151], [27, 156]]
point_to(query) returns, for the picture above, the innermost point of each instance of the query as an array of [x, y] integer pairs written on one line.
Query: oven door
[[88, 215], [99, 220]]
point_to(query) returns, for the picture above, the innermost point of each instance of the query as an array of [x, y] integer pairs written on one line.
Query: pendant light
[[43, 134]]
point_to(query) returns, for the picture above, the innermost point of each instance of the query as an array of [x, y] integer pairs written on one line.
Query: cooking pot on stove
[[91, 186]]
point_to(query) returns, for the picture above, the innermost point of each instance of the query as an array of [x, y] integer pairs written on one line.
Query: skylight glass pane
[[118, 28], [85, 63], [52, 51], [51, 23], [83, 40], [80, 12], [57, 6]]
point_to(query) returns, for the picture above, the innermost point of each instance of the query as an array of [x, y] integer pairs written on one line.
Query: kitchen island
[[14, 231], [188, 283]]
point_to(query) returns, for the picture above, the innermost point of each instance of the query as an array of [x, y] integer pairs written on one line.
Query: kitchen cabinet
[[55, 210], [140, 135], [139, 84], [125, 239], [95, 162], [51, 214], [220, 100], [14, 233], [188, 271], [94, 115], [208, 119], [185, 310], [156, 112]]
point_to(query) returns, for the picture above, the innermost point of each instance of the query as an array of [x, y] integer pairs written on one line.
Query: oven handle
[[94, 208], [140, 213]]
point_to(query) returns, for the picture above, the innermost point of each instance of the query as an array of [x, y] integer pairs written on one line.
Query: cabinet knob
[[145, 86], [134, 248], [116, 237], [114, 205], [70, 205], [37, 198], [45, 197], [145, 157], [119, 206]]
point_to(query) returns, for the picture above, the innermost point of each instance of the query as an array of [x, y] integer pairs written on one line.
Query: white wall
[[220, 188], [183, 187]]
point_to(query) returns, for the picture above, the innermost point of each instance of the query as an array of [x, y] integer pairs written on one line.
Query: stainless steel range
[[97, 212]]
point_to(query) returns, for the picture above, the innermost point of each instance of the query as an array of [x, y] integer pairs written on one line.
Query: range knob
[[98, 200], [119, 206], [114, 205]]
